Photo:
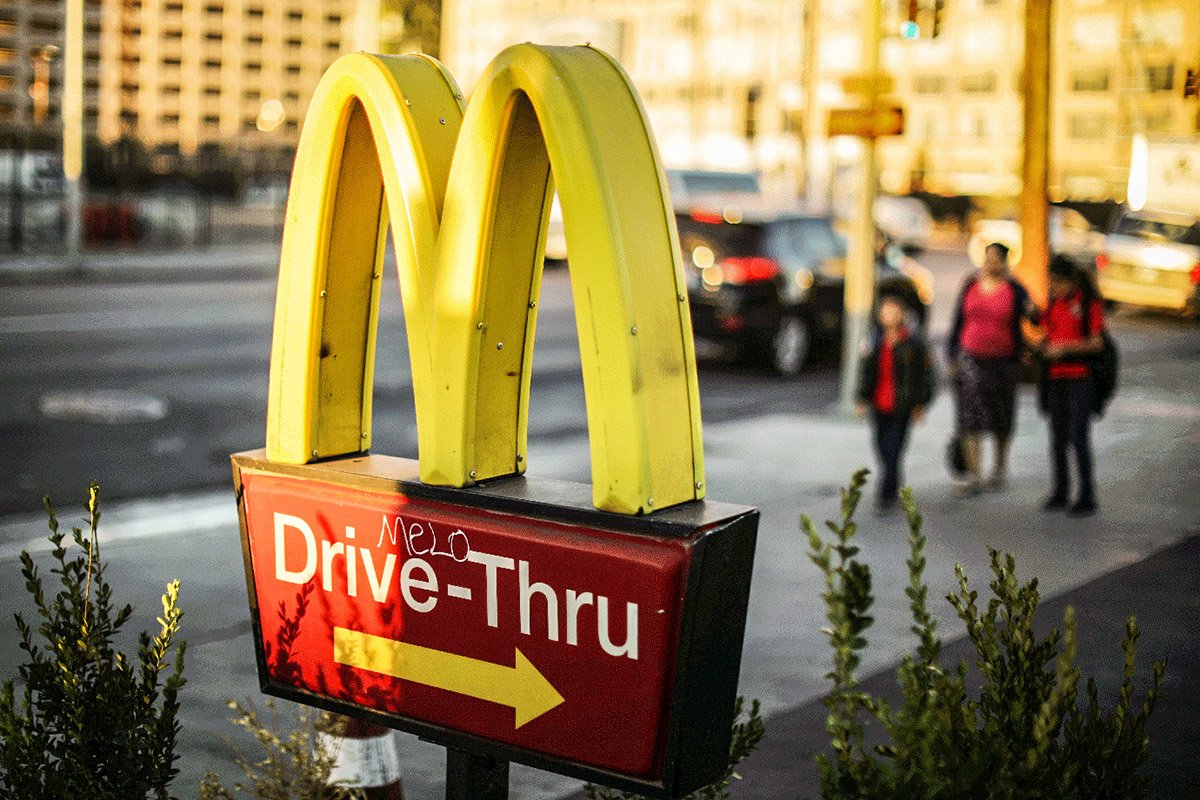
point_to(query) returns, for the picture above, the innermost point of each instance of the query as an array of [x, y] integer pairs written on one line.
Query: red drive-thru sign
[[550, 636], [591, 631]]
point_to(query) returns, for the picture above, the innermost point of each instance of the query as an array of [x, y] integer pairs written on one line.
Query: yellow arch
[[407, 110], [470, 273]]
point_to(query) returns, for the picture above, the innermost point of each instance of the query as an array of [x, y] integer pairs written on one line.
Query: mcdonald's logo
[[454, 597], [467, 194]]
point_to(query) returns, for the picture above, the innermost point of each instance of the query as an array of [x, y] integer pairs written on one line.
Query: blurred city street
[[148, 380], [804, 180]]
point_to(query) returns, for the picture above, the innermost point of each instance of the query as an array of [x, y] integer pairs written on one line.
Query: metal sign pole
[[474, 777]]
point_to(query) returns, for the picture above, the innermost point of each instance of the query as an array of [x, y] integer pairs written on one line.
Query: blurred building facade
[[175, 75], [726, 83]]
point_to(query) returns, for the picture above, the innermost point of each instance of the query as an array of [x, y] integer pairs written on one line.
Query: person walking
[[895, 387], [984, 352], [1074, 331]]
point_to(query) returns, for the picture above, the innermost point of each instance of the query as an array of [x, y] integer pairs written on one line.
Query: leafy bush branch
[[90, 722], [1023, 735]]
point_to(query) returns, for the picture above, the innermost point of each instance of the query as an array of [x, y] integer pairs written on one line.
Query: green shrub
[[91, 722], [748, 731], [295, 765], [1022, 735]]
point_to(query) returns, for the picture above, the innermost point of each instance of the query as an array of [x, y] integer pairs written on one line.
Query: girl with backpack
[[1074, 336]]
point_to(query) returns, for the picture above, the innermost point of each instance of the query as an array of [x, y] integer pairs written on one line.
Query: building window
[[1160, 77], [295, 15], [173, 34], [929, 84], [212, 91], [173, 8], [168, 119], [253, 66], [212, 63], [213, 36], [254, 12], [211, 120], [294, 42], [293, 69], [249, 124], [333, 19], [215, 9], [171, 90], [254, 41], [292, 97], [1088, 126], [252, 95], [171, 62], [1159, 121], [1091, 79], [979, 83], [333, 46]]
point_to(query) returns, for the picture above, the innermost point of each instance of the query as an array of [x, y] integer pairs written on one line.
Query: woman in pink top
[[984, 353]]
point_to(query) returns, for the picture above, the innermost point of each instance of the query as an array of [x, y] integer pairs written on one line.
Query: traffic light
[[1191, 83], [939, 18], [910, 28]]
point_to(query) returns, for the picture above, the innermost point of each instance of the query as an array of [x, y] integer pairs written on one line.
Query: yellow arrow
[[520, 686]]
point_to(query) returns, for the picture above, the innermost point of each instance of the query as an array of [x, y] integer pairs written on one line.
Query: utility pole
[[812, 126], [860, 266], [1035, 244], [72, 121]]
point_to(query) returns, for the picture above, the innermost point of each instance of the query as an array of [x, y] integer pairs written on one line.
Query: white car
[[905, 221], [1152, 258], [1069, 233]]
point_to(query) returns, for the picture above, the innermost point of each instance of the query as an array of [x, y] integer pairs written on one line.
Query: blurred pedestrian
[[1074, 328], [895, 387], [984, 353]]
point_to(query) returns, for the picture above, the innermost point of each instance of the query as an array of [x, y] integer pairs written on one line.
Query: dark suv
[[773, 282]]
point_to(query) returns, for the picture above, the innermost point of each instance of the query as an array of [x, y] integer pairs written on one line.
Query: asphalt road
[[149, 384]]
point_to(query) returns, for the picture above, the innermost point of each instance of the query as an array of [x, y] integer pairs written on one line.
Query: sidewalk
[[1137, 556], [224, 260], [785, 765]]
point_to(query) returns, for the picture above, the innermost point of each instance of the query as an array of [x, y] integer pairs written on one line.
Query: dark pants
[[891, 435], [1069, 403]]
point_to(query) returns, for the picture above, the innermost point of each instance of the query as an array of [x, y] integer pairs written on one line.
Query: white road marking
[[125, 521]]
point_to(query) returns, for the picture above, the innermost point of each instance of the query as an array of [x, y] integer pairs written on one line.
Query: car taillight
[[707, 218], [1195, 274], [748, 269], [1101, 262]]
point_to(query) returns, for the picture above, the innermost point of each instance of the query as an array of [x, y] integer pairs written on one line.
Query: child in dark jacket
[[896, 385]]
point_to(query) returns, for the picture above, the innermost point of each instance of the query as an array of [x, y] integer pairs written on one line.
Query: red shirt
[[885, 376], [1064, 325], [987, 330]]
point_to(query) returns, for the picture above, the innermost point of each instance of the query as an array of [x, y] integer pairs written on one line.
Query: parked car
[[773, 281], [905, 221], [1152, 258], [1070, 235], [693, 187], [688, 187]]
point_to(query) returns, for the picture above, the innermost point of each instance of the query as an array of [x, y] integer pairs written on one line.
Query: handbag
[[956, 458]]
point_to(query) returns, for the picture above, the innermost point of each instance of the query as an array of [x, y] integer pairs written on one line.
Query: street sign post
[[592, 632], [867, 122]]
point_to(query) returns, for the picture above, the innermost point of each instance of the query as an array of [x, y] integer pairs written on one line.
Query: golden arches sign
[[467, 195]]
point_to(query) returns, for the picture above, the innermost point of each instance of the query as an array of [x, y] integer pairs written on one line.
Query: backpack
[[1104, 365]]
